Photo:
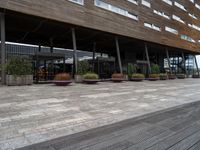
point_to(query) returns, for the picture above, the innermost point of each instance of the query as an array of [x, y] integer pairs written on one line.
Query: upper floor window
[[197, 6], [180, 6], [169, 2], [178, 19], [161, 14], [187, 38], [194, 26], [193, 16], [146, 3], [133, 1], [191, 1], [152, 26], [81, 2], [171, 30], [115, 9]]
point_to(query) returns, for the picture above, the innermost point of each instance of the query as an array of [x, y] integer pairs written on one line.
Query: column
[[118, 54]]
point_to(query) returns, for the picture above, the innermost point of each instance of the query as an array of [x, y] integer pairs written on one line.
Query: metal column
[[75, 50], [118, 54], [168, 60], [196, 65], [147, 55], [3, 47]]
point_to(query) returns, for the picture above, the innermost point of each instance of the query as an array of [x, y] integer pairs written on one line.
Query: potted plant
[[117, 77], [19, 71], [163, 76], [62, 79], [131, 69], [83, 68], [90, 78], [137, 77], [154, 76], [180, 76], [195, 74]]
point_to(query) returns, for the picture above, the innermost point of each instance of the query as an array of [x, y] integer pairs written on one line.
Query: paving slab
[[34, 114]]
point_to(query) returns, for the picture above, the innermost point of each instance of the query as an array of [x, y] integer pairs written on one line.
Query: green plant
[[19, 66], [138, 75], [131, 69], [93, 76], [83, 67], [155, 69], [180, 76], [154, 76], [163, 76], [117, 75], [62, 77]]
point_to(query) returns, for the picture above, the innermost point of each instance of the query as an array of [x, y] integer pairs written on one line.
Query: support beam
[[3, 47], [168, 60], [147, 55], [183, 57], [118, 54], [75, 51], [93, 56], [197, 67]]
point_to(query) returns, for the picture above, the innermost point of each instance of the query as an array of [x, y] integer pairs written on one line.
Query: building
[[133, 31]]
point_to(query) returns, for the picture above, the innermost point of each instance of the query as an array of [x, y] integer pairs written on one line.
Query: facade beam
[[148, 60], [118, 54], [168, 60], [3, 47], [75, 62]]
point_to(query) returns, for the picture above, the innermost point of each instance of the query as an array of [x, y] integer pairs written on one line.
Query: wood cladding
[[93, 17]]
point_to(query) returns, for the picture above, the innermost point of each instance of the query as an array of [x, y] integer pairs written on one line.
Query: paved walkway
[[175, 129], [33, 114]]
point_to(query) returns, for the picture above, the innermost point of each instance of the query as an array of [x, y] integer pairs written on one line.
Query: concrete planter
[[12, 80], [78, 78]]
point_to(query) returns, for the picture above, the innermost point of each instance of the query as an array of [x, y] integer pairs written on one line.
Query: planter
[[195, 76], [180, 76], [61, 83], [117, 80], [78, 78], [137, 79], [171, 77], [90, 81], [154, 79], [12, 80]]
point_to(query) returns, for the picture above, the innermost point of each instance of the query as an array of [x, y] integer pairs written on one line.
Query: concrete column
[[183, 57], [168, 60], [118, 54], [195, 59], [3, 47], [147, 55], [75, 51]]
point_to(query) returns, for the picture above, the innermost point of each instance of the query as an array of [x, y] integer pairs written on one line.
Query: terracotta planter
[[137, 79], [61, 83], [12, 80], [154, 79], [180, 76], [78, 78], [90, 81], [171, 77], [195, 76], [117, 80]]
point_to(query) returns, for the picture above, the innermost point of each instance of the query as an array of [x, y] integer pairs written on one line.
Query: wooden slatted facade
[[92, 17]]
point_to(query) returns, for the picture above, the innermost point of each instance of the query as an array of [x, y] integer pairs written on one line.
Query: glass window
[[180, 6], [171, 30], [81, 2], [133, 1], [152, 26], [146, 3], [178, 19], [115, 9], [169, 2]]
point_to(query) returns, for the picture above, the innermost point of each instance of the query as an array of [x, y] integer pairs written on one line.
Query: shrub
[[155, 69], [19, 66], [180, 76], [163, 76], [138, 75], [154, 76], [117, 75], [90, 76], [83, 67], [62, 77]]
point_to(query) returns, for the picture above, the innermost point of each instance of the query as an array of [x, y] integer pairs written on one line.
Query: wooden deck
[[173, 129]]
